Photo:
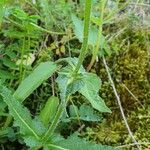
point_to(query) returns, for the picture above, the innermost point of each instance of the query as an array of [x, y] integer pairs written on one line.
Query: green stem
[[47, 31], [99, 38], [36, 26], [29, 44], [83, 52], [21, 65], [8, 121], [81, 58]]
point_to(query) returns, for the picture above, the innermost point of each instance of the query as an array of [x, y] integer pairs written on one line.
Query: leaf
[[34, 80], [66, 82], [78, 29], [7, 62], [93, 34], [6, 75], [7, 132], [90, 91], [22, 115], [49, 110], [73, 111], [88, 84], [75, 143], [86, 113], [62, 81], [31, 141]]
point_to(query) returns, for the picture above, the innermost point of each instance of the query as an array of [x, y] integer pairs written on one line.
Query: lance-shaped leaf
[[34, 80], [28, 127]]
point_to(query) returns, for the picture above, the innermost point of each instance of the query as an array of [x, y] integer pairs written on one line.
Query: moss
[[130, 67]]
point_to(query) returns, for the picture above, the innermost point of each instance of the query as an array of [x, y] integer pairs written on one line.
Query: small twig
[[120, 105], [132, 94], [81, 128], [132, 144]]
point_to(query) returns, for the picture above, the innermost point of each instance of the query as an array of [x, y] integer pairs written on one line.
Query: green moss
[[130, 67]]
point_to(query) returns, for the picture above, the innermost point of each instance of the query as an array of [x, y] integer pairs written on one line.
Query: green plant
[[39, 132], [51, 101]]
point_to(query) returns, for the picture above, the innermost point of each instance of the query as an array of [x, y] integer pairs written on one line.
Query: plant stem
[[21, 64], [81, 58], [29, 44], [8, 121], [99, 38], [83, 52], [47, 31]]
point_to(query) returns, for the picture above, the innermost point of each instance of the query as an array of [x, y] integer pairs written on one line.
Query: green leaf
[[93, 34], [90, 90], [32, 142], [49, 110], [62, 81], [7, 132], [75, 143], [6, 75], [78, 29], [22, 115], [85, 113], [66, 82], [88, 84], [73, 111], [7, 62], [34, 80]]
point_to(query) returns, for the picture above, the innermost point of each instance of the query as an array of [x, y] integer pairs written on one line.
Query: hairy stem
[[83, 52]]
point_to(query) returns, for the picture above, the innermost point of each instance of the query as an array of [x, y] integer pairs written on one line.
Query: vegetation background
[[42, 46]]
